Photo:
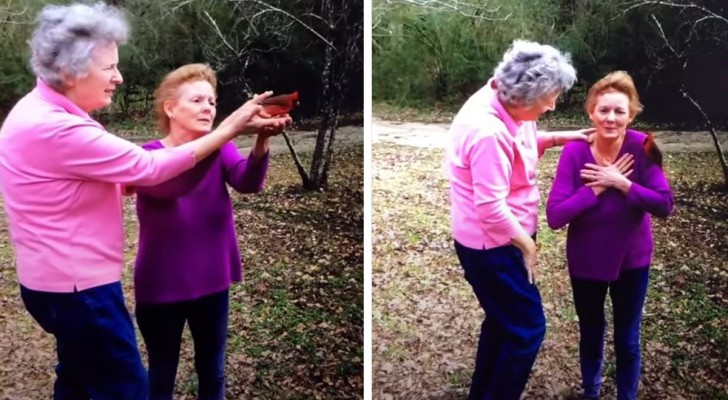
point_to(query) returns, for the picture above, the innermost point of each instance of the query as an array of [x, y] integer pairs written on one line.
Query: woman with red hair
[[606, 191]]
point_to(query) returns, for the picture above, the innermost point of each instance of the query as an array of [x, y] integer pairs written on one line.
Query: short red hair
[[167, 89], [618, 81]]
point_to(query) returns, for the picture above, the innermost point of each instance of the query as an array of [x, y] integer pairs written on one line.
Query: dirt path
[[435, 135], [304, 141]]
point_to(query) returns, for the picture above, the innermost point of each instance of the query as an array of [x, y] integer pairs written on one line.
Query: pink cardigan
[[60, 176], [491, 163]]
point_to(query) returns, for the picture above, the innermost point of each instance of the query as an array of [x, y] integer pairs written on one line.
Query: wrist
[[625, 185], [261, 147], [225, 131]]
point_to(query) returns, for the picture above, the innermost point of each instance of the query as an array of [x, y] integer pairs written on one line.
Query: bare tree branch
[[469, 10], [219, 33], [683, 90], [685, 6], [296, 159], [664, 38], [9, 14], [291, 16]]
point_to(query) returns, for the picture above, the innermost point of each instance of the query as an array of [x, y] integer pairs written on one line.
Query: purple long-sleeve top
[[613, 231], [188, 247]]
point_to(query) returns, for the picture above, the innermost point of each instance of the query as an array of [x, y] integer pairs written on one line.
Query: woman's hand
[[240, 119], [270, 131], [267, 131], [560, 138], [602, 177], [269, 126], [529, 250]]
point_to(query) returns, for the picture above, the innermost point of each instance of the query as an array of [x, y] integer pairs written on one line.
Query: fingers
[[593, 184], [589, 174], [274, 122], [628, 165], [529, 261], [589, 134], [625, 157], [624, 162], [262, 113], [532, 274], [257, 98], [530, 270], [250, 109], [628, 173]]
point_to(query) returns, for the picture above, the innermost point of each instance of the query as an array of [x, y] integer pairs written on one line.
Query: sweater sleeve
[[180, 185], [653, 194], [245, 175], [89, 152], [491, 166], [567, 200]]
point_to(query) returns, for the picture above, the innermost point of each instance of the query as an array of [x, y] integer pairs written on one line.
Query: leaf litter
[[426, 320], [296, 323]]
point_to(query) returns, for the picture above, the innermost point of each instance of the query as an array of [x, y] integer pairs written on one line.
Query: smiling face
[[193, 108], [95, 89], [611, 114]]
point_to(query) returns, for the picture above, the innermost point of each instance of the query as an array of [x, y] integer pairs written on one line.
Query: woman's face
[[95, 89], [610, 114], [193, 110], [539, 107]]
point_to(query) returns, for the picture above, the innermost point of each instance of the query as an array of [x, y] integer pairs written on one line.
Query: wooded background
[[429, 53], [253, 45]]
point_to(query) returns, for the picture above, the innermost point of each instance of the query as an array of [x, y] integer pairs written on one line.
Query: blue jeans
[[98, 356], [161, 326], [628, 294], [514, 326]]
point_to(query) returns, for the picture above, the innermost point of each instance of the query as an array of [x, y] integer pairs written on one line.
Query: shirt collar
[[54, 96], [501, 111]]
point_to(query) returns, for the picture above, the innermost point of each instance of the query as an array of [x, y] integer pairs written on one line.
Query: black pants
[[161, 326]]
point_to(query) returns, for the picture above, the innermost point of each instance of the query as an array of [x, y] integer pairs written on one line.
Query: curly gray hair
[[66, 35], [530, 70]]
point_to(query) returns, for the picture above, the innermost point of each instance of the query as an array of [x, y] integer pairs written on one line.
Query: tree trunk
[[713, 134]]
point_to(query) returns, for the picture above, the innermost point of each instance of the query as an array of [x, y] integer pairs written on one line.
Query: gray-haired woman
[[491, 161], [61, 176]]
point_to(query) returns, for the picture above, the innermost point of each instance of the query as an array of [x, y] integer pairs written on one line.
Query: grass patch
[[426, 320]]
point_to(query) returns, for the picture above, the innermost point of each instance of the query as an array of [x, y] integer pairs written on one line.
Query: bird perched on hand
[[280, 104]]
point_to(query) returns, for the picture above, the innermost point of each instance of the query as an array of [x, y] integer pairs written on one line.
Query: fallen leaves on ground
[[296, 323], [426, 320]]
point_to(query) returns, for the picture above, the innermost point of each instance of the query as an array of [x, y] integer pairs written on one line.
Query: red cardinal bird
[[651, 149], [280, 104]]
